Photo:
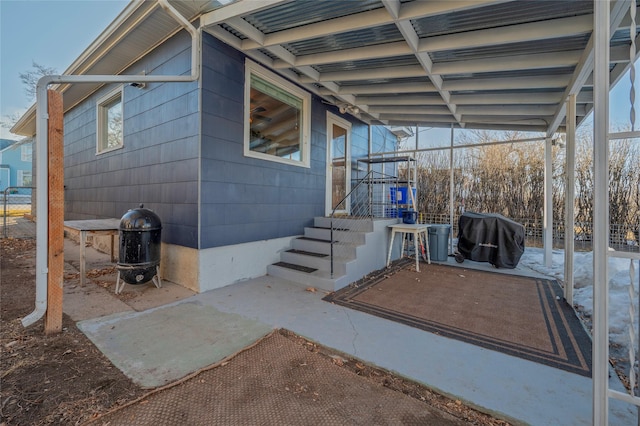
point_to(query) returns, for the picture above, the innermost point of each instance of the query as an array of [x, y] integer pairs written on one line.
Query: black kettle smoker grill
[[139, 254]]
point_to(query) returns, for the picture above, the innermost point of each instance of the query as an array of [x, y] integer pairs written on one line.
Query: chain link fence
[[17, 212], [621, 237]]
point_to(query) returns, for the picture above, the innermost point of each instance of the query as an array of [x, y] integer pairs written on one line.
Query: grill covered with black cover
[[490, 237]]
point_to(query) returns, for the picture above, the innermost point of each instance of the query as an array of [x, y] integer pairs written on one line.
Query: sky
[[53, 33]]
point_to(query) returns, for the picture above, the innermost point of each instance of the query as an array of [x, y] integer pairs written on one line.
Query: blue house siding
[[157, 166], [11, 163], [183, 156], [247, 199]]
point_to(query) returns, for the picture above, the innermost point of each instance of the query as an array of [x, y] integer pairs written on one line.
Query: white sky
[[54, 33]]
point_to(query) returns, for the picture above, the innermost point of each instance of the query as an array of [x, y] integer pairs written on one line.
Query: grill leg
[[156, 278], [119, 287]]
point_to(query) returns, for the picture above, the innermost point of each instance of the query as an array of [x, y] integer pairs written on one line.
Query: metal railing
[[16, 201], [368, 198]]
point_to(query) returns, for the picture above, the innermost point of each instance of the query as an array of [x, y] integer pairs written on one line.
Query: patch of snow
[[619, 282]]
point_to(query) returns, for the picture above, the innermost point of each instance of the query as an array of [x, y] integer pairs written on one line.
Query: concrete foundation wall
[[179, 264], [221, 266]]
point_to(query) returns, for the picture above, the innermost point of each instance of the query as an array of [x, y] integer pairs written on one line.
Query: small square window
[[277, 118], [110, 133]]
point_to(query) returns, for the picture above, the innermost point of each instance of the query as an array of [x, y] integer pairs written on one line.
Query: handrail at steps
[[363, 206]]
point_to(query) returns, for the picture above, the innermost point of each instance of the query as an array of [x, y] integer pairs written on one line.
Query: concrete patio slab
[[499, 384], [164, 344]]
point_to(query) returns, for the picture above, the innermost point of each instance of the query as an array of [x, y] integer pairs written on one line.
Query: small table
[[415, 230], [94, 227]]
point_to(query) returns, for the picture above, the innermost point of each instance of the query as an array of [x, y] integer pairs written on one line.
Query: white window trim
[[305, 148], [20, 176], [26, 153], [100, 122]]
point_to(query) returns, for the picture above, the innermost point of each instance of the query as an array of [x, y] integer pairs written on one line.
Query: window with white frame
[[110, 133], [277, 118], [24, 178], [26, 153]]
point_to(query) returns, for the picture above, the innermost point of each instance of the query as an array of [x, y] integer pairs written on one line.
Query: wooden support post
[[55, 261]]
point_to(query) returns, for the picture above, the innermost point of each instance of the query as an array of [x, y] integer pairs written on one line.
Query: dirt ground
[[65, 379]]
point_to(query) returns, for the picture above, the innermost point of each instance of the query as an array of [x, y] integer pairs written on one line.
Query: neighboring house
[[15, 163]]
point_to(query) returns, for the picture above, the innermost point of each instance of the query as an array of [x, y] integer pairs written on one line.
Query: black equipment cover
[[490, 237]]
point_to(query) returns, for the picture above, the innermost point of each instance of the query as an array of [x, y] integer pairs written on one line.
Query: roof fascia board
[[99, 45]]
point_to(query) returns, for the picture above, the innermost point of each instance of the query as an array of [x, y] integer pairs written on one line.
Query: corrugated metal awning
[[476, 64]]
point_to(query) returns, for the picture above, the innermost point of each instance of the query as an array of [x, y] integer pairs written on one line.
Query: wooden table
[[93, 227], [415, 230]]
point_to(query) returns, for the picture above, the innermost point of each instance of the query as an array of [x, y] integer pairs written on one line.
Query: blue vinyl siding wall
[[158, 165], [247, 199], [172, 150]]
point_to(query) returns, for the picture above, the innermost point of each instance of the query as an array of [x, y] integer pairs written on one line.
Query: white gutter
[[42, 196]]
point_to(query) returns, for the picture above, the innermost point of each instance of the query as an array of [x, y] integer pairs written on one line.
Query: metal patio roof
[[473, 64]]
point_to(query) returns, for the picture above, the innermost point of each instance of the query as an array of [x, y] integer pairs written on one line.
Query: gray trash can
[[439, 242]]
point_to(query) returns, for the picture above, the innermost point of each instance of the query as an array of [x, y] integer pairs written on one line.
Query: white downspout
[[42, 117]]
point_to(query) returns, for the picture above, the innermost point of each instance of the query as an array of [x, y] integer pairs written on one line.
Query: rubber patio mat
[[520, 316], [276, 382]]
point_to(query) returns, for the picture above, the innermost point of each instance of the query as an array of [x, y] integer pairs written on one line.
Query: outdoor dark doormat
[[520, 316]]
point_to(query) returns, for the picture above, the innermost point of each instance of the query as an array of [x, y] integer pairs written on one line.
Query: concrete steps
[[308, 261]]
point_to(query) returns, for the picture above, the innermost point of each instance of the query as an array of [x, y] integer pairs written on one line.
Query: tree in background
[[29, 80], [508, 178]]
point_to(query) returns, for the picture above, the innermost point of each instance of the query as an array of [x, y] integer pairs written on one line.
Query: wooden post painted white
[[547, 239], [569, 221], [601, 34]]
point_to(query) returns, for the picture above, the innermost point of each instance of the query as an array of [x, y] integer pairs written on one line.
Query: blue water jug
[[409, 216]]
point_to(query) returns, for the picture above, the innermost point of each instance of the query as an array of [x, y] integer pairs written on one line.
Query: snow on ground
[[619, 281]]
